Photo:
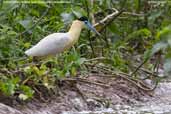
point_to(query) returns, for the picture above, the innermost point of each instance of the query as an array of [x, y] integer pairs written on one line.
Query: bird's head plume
[[88, 24]]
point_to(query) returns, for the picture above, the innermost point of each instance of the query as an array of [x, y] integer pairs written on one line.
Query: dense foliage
[[141, 33]]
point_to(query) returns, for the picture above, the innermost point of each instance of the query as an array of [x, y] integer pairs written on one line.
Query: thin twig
[[40, 95], [96, 59], [95, 83], [135, 71], [128, 77], [146, 71], [14, 58], [85, 81], [133, 14]]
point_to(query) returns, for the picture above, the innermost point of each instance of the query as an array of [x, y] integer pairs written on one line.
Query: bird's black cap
[[83, 18]]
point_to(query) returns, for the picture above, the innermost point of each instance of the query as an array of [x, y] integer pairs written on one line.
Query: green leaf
[[147, 54], [27, 44], [40, 2], [25, 23], [167, 66], [76, 13], [9, 86], [73, 71], [169, 41], [142, 33], [23, 96], [164, 34], [11, 33], [80, 61], [159, 46], [67, 17], [15, 80], [27, 91], [155, 14], [113, 28]]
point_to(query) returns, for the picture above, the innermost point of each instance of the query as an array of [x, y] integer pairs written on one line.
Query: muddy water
[[160, 103]]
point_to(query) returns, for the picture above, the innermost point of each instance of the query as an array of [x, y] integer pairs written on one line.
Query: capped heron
[[58, 42]]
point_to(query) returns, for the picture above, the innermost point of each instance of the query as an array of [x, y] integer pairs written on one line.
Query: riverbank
[[85, 98]]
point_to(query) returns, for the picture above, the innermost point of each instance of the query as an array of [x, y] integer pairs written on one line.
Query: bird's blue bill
[[88, 24]]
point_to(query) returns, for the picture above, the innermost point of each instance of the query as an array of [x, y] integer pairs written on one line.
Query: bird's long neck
[[75, 30]]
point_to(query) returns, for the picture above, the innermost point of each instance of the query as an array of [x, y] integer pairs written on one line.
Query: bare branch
[[107, 18], [133, 14]]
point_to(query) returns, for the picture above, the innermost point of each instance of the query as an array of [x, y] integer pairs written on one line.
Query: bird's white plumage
[[57, 42], [50, 45]]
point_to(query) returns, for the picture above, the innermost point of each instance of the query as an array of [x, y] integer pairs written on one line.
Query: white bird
[[58, 42]]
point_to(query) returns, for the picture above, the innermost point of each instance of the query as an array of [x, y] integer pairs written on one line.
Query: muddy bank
[[86, 98]]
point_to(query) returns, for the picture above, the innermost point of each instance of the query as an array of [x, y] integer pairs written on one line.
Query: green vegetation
[[142, 32]]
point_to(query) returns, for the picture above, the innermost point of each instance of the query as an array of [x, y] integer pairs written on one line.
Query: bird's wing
[[50, 45]]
